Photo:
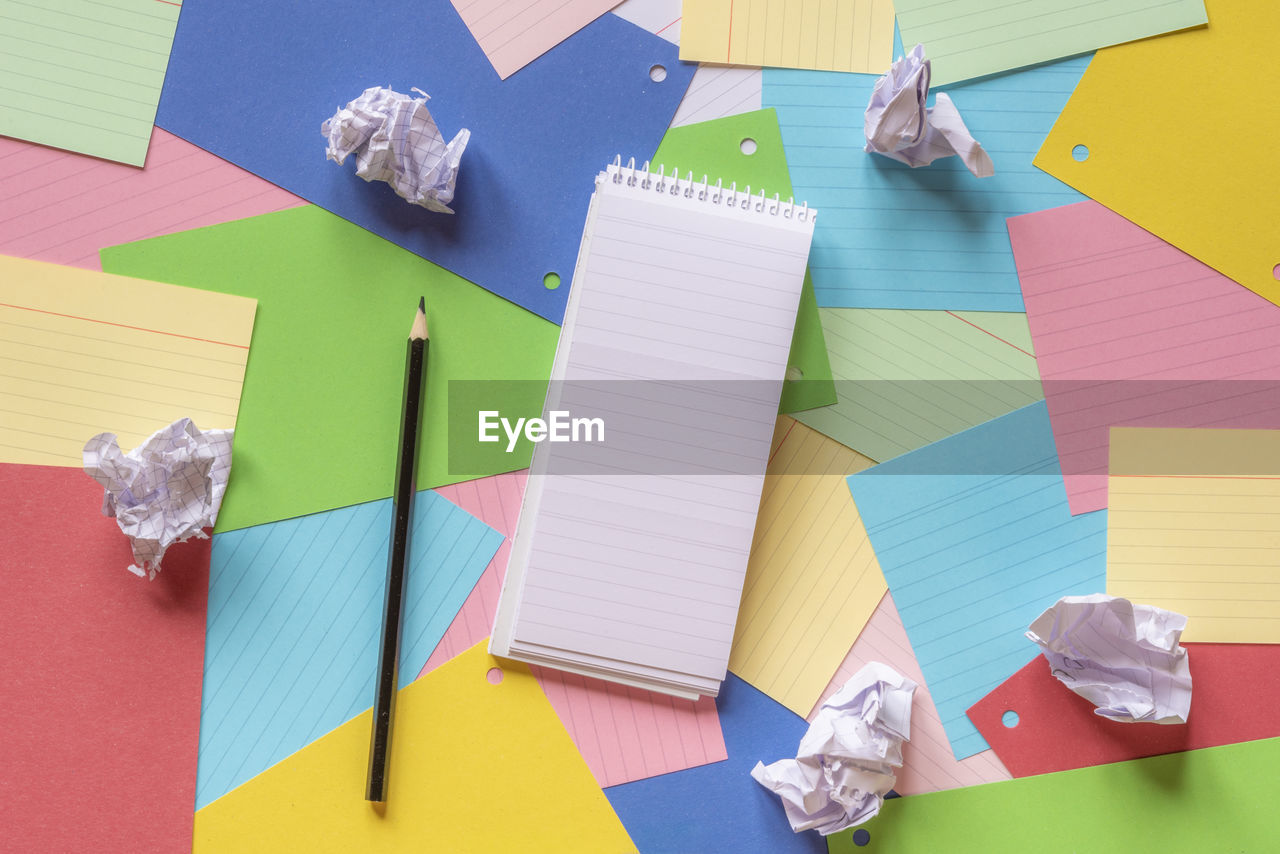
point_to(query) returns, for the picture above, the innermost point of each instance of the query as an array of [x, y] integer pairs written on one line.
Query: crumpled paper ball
[[396, 140], [165, 491], [845, 763], [1123, 657], [898, 125]]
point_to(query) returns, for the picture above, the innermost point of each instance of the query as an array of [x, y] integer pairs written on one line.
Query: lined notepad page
[[63, 207], [896, 237], [827, 35], [84, 353], [927, 762], [692, 299], [975, 538], [972, 38], [813, 581], [1131, 330], [514, 34], [1193, 528], [85, 75], [623, 734], [905, 378], [294, 617]]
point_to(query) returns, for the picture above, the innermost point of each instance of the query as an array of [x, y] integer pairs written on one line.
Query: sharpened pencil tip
[[419, 329]]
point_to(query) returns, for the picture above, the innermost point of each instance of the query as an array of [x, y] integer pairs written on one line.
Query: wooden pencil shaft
[[397, 559]]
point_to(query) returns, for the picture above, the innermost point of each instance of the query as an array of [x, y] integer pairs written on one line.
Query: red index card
[[1235, 696], [99, 677]]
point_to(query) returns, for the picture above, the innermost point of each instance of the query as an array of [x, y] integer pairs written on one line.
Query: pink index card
[[496, 502], [928, 764], [63, 207], [514, 34], [624, 734], [1129, 330]]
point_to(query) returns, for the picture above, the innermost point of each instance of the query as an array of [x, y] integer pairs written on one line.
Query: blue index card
[[295, 615], [976, 539], [239, 87], [889, 236], [719, 807]]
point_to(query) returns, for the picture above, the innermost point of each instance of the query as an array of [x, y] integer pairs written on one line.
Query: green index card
[[85, 75], [718, 149], [906, 378], [320, 412], [1216, 799]]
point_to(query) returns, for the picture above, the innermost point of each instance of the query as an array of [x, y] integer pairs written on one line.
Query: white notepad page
[[688, 293]]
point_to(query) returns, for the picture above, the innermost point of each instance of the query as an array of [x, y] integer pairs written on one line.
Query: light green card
[[1216, 799], [973, 38], [716, 148], [319, 415], [906, 378], [85, 75]]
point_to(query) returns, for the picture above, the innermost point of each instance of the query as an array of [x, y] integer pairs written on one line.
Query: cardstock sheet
[[974, 38], [1192, 528], [537, 139], [623, 734], [1233, 699], [512, 36], [932, 238], [975, 538], [927, 762], [716, 91], [87, 353], [336, 364], [85, 75], [63, 207], [1161, 803], [826, 35], [812, 580], [718, 149], [1170, 88], [718, 807], [1130, 330], [476, 731], [295, 614], [101, 674], [905, 378]]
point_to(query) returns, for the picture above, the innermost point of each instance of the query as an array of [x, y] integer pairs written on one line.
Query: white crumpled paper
[[1123, 658], [898, 124], [845, 763], [166, 490], [395, 140]]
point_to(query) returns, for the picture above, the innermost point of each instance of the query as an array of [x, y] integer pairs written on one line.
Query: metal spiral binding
[[703, 191]]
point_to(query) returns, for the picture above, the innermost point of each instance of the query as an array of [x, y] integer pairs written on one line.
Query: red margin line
[[997, 337], [123, 325]]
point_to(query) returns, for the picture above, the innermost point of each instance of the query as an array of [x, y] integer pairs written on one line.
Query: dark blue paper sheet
[[252, 82]]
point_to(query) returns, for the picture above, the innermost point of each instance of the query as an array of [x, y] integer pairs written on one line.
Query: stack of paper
[[628, 563]]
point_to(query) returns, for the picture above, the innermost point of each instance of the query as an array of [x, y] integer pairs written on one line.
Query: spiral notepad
[[629, 556]]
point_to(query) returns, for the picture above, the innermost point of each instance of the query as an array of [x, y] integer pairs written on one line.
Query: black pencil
[[384, 702]]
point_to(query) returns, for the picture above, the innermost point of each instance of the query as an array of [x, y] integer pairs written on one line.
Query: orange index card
[[1143, 134], [813, 580], [825, 35], [479, 763], [83, 353], [1193, 527]]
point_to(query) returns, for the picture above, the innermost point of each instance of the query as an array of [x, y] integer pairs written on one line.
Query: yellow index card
[[1194, 526], [475, 767], [813, 580], [827, 35], [1145, 134], [83, 352]]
